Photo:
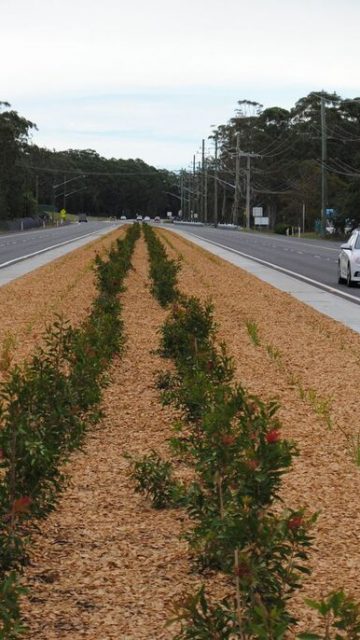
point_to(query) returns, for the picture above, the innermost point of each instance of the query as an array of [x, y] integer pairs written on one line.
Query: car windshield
[[357, 242]]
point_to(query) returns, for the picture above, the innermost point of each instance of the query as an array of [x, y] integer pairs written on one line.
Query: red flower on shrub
[[210, 365], [252, 464], [242, 570], [21, 505], [273, 436], [228, 439], [295, 523]]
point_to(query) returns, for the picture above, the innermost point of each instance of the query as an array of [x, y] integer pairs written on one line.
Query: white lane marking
[[305, 244], [296, 275], [36, 253]]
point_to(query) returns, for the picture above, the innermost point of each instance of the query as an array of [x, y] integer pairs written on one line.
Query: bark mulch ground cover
[[107, 566], [30, 303]]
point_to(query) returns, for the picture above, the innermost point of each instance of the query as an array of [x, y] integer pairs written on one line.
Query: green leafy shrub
[[153, 477], [46, 406], [280, 227], [340, 616], [10, 620], [163, 270]]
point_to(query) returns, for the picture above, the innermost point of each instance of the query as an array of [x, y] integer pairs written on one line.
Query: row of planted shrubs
[[46, 407], [232, 442]]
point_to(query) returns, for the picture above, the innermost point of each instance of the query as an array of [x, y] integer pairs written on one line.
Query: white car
[[147, 219], [349, 260]]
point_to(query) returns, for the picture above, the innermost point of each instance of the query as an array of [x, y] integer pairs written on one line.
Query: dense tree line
[[286, 161], [32, 178], [284, 178]]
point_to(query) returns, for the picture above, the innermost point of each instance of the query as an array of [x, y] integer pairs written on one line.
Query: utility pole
[[193, 190], [248, 180], [237, 181], [182, 192], [323, 167], [216, 182], [202, 181], [198, 191], [248, 192], [205, 191]]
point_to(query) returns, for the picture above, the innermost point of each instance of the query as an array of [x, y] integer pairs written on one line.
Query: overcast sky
[[147, 78]]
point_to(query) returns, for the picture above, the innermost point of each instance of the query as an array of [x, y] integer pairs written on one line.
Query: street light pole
[[216, 182], [248, 192], [237, 181], [323, 167], [194, 188], [205, 192]]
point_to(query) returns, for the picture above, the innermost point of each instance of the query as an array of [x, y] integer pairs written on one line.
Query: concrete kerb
[[344, 311]]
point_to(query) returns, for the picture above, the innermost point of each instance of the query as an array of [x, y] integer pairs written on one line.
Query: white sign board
[[257, 212], [169, 214], [263, 221]]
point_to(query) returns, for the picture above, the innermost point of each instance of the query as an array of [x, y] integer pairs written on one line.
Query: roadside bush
[[163, 270], [46, 406], [153, 477], [234, 444], [280, 228]]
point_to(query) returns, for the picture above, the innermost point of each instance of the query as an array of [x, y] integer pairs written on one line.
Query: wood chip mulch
[[107, 566]]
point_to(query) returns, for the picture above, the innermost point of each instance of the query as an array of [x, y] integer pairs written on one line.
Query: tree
[[14, 134]]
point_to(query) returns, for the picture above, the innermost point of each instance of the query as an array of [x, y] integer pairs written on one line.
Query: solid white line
[[294, 274], [36, 253]]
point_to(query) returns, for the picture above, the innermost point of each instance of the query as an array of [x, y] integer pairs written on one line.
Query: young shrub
[[153, 477], [10, 623], [202, 620], [340, 617], [163, 270]]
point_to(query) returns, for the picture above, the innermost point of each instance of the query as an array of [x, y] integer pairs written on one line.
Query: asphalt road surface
[[18, 246], [315, 260]]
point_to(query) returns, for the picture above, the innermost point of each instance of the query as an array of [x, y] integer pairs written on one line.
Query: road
[[313, 260], [16, 247]]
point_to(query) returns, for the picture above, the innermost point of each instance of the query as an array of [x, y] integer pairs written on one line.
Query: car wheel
[[340, 278], [349, 282]]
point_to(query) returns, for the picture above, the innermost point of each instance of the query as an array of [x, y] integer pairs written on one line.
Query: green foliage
[[252, 329], [163, 270], [281, 228], [153, 477], [340, 617], [46, 407], [10, 622], [201, 620], [188, 334], [14, 133]]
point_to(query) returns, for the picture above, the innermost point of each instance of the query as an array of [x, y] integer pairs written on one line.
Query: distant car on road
[[139, 218], [349, 260], [157, 219], [147, 219], [82, 217], [123, 218]]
